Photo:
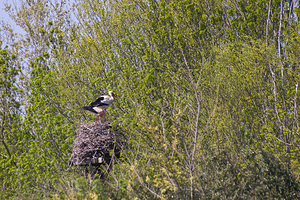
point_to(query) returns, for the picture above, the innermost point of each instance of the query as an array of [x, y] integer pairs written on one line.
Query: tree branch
[[268, 19], [279, 38]]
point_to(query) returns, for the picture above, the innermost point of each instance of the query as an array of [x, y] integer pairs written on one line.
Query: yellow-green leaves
[[207, 105]]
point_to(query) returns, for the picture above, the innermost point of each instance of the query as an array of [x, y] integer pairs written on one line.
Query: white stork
[[99, 106]]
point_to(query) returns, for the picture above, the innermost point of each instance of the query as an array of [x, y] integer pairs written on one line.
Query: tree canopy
[[208, 97]]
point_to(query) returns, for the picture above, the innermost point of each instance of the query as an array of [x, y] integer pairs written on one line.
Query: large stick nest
[[95, 144]]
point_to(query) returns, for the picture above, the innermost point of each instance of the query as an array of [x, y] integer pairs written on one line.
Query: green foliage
[[208, 99], [9, 118]]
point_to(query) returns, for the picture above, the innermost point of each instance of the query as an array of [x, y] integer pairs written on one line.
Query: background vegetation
[[208, 97]]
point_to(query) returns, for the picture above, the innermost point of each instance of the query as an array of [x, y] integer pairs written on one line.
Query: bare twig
[[142, 183], [286, 143]]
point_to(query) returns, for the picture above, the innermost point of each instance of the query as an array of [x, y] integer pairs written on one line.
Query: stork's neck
[[111, 95]]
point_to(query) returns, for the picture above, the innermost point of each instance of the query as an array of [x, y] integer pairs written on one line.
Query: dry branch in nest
[[94, 144]]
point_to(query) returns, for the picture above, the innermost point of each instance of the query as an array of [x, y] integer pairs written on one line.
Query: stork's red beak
[[115, 96]]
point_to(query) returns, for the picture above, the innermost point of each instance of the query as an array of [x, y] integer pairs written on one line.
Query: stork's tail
[[89, 108]]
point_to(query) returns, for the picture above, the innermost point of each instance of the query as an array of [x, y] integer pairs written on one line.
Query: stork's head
[[112, 94]]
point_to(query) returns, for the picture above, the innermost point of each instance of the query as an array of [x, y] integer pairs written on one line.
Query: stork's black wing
[[90, 108], [98, 102]]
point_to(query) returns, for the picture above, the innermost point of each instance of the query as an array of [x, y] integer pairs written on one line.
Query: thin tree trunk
[[268, 20], [279, 38]]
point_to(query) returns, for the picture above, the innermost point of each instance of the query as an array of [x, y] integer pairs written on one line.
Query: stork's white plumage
[[99, 106]]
